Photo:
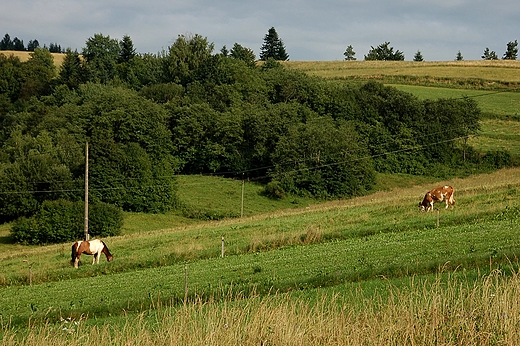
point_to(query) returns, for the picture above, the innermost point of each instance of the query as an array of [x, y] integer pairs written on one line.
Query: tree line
[[189, 110], [385, 52], [17, 45]]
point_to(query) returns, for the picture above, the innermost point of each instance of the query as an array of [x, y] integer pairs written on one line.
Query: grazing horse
[[443, 193], [94, 247]]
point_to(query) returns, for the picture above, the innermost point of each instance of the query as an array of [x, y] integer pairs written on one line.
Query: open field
[[331, 250], [484, 74], [24, 56], [501, 104]]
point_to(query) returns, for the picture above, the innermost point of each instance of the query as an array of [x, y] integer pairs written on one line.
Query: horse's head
[[110, 258]]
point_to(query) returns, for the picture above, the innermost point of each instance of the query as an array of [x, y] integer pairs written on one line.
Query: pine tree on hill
[[273, 47]]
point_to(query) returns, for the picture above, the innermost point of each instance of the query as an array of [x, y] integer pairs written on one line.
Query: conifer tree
[[349, 53], [273, 47], [512, 51], [418, 56]]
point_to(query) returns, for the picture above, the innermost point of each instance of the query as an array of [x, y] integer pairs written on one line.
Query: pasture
[[482, 74], [368, 270], [336, 251]]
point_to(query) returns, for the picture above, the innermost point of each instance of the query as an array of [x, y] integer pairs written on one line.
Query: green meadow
[[233, 266]]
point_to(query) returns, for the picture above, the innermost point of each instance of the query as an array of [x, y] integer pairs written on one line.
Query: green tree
[[54, 48], [242, 53], [127, 50], [130, 146], [187, 58], [18, 44], [384, 52], [418, 56], [489, 55], [37, 74], [35, 169], [101, 54], [6, 43], [273, 47], [324, 159], [72, 71], [511, 51], [459, 56], [206, 140], [349, 53], [10, 77], [32, 45]]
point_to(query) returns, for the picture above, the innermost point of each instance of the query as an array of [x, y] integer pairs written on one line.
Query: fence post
[[223, 248], [185, 282]]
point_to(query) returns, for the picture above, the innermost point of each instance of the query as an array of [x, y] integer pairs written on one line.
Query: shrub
[[497, 159], [274, 190], [62, 221]]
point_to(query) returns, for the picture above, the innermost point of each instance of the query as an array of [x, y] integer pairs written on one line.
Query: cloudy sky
[[310, 29]]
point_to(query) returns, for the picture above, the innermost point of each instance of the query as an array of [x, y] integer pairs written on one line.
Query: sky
[[311, 30]]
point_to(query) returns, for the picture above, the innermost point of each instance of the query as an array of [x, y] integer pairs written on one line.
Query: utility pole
[[86, 236]]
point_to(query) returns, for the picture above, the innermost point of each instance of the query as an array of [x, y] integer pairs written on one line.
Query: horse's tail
[[74, 252]]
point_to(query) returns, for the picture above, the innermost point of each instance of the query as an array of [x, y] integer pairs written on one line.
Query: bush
[[62, 221], [497, 159], [274, 190]]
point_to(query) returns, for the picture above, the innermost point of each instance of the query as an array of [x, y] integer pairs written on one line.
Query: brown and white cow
[[443, 193]]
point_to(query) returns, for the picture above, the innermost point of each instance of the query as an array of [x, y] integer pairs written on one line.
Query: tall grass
[[438, 312]]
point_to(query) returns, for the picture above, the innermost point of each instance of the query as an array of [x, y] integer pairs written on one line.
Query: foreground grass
[[440, 311], [323, 245]]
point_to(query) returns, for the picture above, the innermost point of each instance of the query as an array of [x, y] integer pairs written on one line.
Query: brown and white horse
[[94, 247]]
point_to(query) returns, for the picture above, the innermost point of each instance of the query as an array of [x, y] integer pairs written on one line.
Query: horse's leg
[[98, 255], [94, 258], [76, 262]]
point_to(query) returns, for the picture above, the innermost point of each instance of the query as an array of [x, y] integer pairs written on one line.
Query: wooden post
[[30, 271], [222, 252], [185, 282], [86, 235], [242, 205]]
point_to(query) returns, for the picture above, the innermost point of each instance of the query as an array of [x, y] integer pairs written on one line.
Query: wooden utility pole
[[242, 204], [86, 236]]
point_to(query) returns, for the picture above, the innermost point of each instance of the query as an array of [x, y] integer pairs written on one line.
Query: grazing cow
[[94, 247], [443, 193]]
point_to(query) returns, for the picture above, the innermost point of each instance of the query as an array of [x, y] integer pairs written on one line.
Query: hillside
[[24, 56], [323, 249], [481, 74]]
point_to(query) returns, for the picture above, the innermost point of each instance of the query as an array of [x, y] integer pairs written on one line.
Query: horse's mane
[[106, 247]]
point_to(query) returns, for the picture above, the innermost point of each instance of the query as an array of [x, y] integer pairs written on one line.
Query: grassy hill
[[369, 270], [320, 251], [483, 74]]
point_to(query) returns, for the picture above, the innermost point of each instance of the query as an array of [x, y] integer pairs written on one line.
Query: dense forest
[[188, 110]]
